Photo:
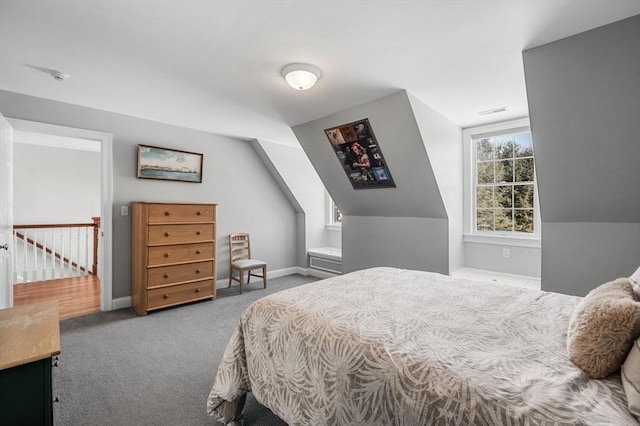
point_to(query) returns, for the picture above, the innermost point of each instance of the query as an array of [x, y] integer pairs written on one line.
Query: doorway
[[60, 137]]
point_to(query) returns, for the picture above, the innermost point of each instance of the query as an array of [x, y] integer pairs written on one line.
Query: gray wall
[[406, 226], [584, 103], [524, 261], [443, 142], [299, 180], [234, 176], [52, 185]]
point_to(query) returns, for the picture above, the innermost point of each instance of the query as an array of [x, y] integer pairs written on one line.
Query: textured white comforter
[[388, 346]]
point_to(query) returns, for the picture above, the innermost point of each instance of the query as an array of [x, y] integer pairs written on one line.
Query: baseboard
[[276, 273], [125, 302], [120, 303]]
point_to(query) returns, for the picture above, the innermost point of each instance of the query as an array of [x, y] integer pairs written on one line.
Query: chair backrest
[[239, 246]]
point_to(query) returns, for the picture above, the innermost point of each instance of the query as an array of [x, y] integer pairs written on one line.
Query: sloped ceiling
[[391, 118], [215, 65]]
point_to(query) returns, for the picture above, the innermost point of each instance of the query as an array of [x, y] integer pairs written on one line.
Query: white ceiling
[[215, 65]]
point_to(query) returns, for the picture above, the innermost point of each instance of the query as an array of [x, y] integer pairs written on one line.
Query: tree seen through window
[[505, 179]]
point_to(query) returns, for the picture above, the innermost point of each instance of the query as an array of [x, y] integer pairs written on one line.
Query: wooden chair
[[241, 261]]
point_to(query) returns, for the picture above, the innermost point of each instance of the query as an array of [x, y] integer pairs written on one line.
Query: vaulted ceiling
[[215, 65]]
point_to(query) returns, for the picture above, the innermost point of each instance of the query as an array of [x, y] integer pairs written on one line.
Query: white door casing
[[6, 213], [106, 194]]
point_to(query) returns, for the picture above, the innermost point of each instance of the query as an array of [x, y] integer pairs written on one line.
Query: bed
[[387, 346]]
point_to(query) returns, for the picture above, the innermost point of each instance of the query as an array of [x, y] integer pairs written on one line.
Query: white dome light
[[301, 76]]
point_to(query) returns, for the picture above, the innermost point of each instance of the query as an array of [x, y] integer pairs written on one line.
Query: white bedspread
[[387, 346]]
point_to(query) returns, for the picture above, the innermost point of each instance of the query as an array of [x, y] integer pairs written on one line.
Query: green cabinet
[[25, 394], [29, 339]]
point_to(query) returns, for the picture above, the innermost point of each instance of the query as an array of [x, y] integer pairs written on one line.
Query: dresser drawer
[[167, 296], [162, 213], [172, 234], [162, 255], [178, 273]]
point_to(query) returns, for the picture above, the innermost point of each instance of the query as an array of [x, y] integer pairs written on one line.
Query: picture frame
[[360, 155], [169, 164]]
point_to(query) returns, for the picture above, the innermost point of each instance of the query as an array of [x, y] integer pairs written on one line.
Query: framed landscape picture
[[169, 164], [359, 154]]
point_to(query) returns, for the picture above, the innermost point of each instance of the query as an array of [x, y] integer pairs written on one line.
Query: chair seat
[[248, 263]]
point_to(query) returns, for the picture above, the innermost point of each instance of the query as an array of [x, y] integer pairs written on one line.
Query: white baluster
[[86, 250], [34, 273], [44, 255], [69, 244], [15, 257], [78, 270], [61, 252], [53, 251], [25, 277]]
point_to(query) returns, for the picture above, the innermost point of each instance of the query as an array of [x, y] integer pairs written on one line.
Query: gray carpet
[[120, 369]]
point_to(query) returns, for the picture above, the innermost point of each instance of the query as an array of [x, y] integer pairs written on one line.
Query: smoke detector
[[59, 75]]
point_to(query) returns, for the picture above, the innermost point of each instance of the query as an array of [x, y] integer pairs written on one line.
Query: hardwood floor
[[76, 296]]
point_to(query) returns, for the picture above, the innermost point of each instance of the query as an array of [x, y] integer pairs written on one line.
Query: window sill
[[503, 240], [333, 227]]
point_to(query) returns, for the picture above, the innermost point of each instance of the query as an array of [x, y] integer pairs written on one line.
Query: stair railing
[[50, 251]]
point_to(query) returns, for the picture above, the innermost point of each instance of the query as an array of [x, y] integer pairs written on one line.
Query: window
[[500, 193], [504, 182], [334, 217]]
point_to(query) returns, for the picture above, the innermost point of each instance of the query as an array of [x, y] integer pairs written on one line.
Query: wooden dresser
[[173, 254], [29, 338]]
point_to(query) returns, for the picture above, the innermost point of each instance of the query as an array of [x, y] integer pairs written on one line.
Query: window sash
[[509, 219]]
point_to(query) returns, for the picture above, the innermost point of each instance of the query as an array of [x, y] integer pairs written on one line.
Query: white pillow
[[636, 278], [631, 378]]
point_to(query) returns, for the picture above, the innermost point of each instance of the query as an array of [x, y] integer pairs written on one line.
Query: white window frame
[[469, 155], [331, 225]]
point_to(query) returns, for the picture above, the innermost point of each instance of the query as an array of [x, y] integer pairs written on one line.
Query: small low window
[[334, 217]]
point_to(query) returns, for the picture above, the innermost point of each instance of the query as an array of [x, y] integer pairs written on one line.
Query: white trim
[[276, 273], [106, 193], [503, 240], [469, 159], [121, 303], [335, 228], [331, 253], [125, 302]]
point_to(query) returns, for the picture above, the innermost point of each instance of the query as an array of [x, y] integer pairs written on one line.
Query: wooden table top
[[29, 333]]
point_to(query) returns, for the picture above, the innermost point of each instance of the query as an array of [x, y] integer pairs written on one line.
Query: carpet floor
[[120, 369]]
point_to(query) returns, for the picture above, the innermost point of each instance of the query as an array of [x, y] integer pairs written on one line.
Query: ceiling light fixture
[[492, 111], [301, 76]]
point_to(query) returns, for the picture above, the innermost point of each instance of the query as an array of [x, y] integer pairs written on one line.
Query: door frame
[[106, 194]]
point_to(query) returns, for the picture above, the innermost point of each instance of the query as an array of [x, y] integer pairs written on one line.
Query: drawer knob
[[198, 252], [198, 213], [198, 232], [167, 213], [166, 275], [166, 234], [197, 271], [166, 255], [56, 399], [165, 296], [197, 290]]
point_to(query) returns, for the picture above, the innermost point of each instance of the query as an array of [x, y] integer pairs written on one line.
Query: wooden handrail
[[96, 228], [56, 225]]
